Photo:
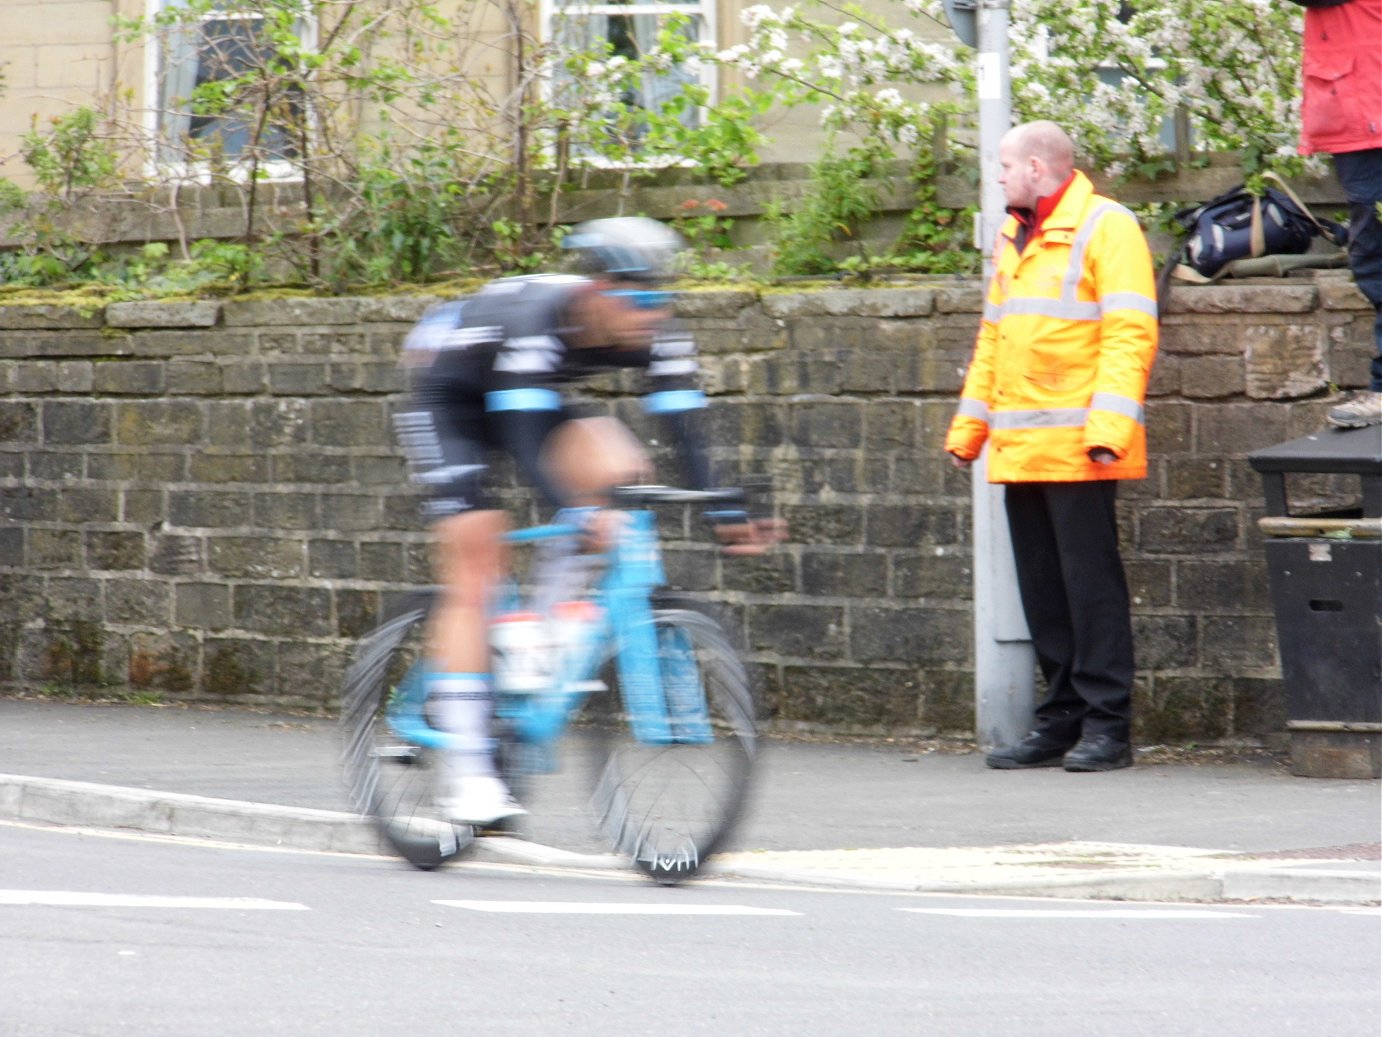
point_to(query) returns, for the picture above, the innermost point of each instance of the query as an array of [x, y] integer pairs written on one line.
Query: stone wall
[[202, 501]]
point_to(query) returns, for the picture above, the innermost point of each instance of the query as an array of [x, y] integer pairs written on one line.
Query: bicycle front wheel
[[390, 767], [668, 806]]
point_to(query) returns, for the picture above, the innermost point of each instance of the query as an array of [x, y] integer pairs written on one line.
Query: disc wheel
[[670, 806], [390, 769]]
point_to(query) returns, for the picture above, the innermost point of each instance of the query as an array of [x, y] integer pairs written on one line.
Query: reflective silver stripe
[[1128, 301], [1062, 308], [991, 312], [1068, 306], [976, 409], [1057, 417], [1117, 404]]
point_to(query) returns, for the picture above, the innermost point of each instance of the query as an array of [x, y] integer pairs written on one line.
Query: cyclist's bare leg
[[470, 560], [588, 457]]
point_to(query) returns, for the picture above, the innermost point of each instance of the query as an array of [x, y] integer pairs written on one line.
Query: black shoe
[[1036, 750], [1099, 753]]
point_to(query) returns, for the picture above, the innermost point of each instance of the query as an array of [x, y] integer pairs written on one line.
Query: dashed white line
[[550, 907], [63, 898]]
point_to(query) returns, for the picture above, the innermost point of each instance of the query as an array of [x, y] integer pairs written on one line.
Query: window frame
[[158, 109], [706, 10]]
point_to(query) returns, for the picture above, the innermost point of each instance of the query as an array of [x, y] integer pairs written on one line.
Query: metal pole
[[1004, 664]]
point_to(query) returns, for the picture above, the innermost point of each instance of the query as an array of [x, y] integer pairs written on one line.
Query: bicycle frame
[[662, 694]]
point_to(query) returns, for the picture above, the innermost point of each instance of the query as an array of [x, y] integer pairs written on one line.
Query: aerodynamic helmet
[[626, 248]]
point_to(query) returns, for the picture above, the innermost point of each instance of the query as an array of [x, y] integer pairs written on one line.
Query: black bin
[[1325, 567]]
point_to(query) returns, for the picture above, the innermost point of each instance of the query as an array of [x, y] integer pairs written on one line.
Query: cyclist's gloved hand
[[743, 535]]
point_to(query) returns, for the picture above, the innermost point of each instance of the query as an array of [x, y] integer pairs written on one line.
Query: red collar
[[1033, 219]]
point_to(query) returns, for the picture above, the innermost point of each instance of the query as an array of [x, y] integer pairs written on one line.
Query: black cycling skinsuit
[[498, 360]]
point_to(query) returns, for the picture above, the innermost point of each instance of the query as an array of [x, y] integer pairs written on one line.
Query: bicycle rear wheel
[[669, 806], [390, 769]]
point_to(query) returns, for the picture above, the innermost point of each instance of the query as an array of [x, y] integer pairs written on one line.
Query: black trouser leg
[[1075, 597]]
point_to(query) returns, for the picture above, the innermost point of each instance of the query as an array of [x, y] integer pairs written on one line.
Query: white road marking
[[61, 898], [555, 907], [1091, 912]]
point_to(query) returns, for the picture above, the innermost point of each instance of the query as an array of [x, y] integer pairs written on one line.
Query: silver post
[[1004, 664]]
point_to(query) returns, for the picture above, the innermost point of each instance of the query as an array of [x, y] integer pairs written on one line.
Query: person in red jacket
[[1055, 389], [1341, 116]]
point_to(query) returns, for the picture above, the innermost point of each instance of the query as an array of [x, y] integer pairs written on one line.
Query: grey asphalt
[[892, 816]]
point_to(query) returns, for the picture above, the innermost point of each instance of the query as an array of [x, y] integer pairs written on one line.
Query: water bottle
[[573, 623], [521, 652]]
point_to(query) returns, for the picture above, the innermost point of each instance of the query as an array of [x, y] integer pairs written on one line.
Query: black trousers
[[1075, 596]]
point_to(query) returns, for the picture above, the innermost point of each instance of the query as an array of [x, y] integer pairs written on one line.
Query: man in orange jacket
[[1056, 388]]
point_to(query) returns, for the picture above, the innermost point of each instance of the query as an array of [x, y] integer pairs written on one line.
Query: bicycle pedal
[[504, 826]]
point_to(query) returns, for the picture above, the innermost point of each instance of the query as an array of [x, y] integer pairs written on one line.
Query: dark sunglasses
[[642, 298]]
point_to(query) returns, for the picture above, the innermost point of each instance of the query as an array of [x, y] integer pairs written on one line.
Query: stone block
[[352, 512], [849, 697], [283, 609], [18, 421], [1237, 429], [332, 560], [701, 303], [255, 557], [909, 635], [83, 506], [209, 509], [1244, 298], [128, 377], [51, 376], [1339, 293], [50, 317], [237, 669], [357, 612], [54, 549], [202, 606], [195, 377], [389, 309], [299, 379], [167, 662], [1215, 584], [943, 573], [825, 523], [1283, 361], [905, 525], [76, 421], [279, 313], [158, 422], [844, 574], [1235, 644], [202, 314], [1164, 642], [287, 510], [798, 631], [29, 504], [138, 602], [115, 551], [218, 467], [1176, 710], [772, 573], [822, 423], [1183, 531], [349, 423], [1211, 377]]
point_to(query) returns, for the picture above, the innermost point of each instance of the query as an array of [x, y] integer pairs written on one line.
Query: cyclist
[[490, 372]]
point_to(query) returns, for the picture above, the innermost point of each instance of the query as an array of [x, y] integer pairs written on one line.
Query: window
[[629, 29], [258, 120]]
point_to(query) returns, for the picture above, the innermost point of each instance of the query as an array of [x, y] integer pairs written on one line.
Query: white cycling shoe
[[479, 799]]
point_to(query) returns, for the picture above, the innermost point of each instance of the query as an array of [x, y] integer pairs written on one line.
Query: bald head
[[1036, 158]]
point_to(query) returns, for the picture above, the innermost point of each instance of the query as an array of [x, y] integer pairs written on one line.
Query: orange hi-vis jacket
[[1065, 348]]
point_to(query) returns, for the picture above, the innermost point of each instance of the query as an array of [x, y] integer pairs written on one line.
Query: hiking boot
[[1364, 409], [1036, 750], [1099, 753]]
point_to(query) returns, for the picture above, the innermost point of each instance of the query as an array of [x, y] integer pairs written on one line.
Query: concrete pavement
[[887, 816]]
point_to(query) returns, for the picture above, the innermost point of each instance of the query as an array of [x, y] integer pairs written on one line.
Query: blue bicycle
[[658, 692]]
